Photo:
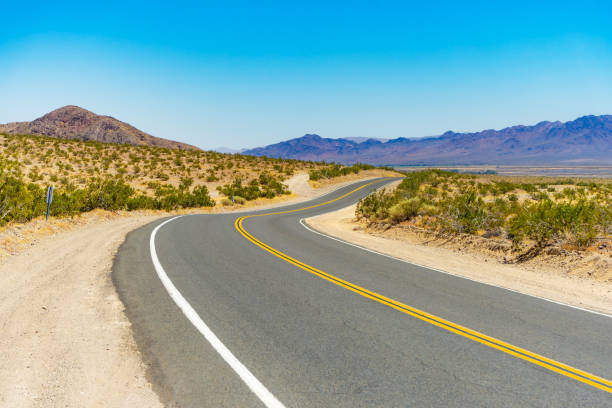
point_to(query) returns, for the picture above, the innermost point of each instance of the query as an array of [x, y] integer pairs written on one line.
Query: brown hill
[[73, 122]]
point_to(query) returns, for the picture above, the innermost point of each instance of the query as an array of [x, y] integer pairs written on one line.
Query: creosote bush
[[21, 201], [337, 170], [265, 186], [456, 203], [47, 160], [90, 175]]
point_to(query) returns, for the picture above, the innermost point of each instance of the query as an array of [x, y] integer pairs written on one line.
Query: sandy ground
[[65, 339], [549, 283]]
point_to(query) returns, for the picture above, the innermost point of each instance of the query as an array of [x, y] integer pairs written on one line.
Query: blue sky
[[246, 74]]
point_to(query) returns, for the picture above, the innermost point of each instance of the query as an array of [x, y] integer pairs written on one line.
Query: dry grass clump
[[564, 213]]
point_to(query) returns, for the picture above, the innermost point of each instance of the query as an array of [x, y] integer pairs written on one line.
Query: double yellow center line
[[558, 367]]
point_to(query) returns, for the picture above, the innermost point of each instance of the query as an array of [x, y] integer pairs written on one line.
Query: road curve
[[312, 341]]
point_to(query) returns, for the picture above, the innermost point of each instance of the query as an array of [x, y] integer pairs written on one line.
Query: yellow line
[[492, 342]]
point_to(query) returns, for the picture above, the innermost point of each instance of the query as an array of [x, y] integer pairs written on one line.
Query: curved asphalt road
[[313, 343]]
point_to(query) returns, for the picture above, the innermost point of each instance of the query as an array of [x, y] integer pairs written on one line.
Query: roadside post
[[49, 199]]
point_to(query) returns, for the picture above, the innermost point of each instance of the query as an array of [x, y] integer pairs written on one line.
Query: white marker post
[[49, 199]]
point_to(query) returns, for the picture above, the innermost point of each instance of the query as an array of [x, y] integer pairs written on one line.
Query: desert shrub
[[411, 184], [529, 188], [197, 198], [464, 213], [142, 201], [162, 176], [405, 210], [19, 201], [375, 207], [236, 188], [68, 203], [108, 194], [265, 185], [531, 221], [575, 216], [337, 170], [35, 175], [546, 220], [270, 186], [186, 182]]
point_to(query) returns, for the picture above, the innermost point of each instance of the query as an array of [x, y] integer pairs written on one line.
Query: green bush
[[337, 170], [375, 207], [197, 198], [465, 213], [142, 202], [405, 210], [264, 186], [576, 217], [20, 201], [108, 195]]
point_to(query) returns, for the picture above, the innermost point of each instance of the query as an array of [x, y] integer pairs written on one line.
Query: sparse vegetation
[[337, 170], [265, 185], [90, 175], [532, 213], [22, 201]]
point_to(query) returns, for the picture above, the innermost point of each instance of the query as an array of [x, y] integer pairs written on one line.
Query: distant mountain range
[[227, 150], [364, 139], [586, 140], [73, 122]]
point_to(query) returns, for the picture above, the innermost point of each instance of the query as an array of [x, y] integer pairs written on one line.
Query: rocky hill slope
[[586, 140], [73, 122]]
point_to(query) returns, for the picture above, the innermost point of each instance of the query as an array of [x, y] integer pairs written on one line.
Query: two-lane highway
[[258, 304]]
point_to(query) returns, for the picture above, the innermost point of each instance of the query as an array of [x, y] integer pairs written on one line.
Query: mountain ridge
[[587, 140], [74, 122]]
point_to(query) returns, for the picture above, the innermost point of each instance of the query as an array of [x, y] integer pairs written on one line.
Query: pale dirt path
[[549, 284], [65, 340]]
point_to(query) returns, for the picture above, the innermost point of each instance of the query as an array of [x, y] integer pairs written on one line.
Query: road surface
[[248, 310]]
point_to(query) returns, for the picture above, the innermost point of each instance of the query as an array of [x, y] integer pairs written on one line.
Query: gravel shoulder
[[65, 339], [548, 283]]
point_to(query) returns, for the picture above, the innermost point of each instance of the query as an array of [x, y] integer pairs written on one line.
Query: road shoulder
[[583, 293], [65, 339]]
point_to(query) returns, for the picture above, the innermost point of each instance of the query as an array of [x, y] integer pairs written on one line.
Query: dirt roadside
[[65, 339], [544, 282]]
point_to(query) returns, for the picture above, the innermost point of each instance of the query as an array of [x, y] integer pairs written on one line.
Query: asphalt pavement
[[315, 342]]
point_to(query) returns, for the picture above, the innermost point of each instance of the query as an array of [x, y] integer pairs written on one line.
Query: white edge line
[[305, 225], [249, 379]]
